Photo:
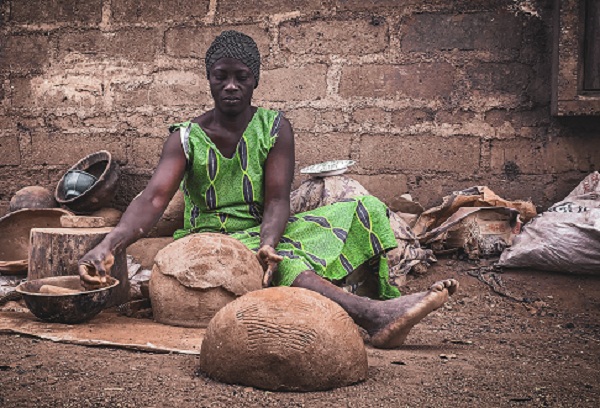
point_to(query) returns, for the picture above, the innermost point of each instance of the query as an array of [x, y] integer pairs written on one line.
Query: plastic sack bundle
[[566, 238]]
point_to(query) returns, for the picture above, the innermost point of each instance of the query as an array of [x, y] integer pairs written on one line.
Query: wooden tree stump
[[56, 251]]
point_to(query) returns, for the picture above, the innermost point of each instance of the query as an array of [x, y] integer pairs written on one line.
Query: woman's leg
[[387, 322]]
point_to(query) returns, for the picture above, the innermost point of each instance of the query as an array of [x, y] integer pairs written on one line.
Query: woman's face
[[231, 85]]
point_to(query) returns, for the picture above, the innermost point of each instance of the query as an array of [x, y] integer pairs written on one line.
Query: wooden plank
[[591, 53]]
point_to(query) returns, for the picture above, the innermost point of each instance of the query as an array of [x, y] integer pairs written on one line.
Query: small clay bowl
[[69, 308], [106, 171]]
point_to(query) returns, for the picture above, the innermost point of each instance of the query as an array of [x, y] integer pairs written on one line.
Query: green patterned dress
[[226, 195]]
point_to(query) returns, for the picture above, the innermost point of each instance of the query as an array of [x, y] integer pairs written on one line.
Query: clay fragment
[[57, 290]]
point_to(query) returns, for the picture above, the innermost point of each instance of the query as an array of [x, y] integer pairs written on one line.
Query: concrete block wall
[[427, 96]]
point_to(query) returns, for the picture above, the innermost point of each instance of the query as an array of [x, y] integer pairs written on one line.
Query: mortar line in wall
[[212, 11], [105, 23], [333, 78]]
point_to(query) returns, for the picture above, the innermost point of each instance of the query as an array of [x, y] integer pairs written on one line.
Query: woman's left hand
[[268, 258]]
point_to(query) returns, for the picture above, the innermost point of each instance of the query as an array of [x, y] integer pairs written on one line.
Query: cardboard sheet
[[108, 329]]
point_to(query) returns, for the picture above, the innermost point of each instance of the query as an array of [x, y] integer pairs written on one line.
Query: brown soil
[[480, 350]]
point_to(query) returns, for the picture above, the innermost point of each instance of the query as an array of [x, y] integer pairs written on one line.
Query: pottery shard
[[194, 277], [284, 338]]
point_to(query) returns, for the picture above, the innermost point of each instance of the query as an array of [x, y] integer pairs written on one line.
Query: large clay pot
[[102, 166], [194, 277], [32, 197], [14, 235], [284, 338]]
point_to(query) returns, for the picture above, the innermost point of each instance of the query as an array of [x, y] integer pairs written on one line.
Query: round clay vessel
[[102, 166], [65, 308], [195, 276], [14, 235], [32, 197], [284, 339]]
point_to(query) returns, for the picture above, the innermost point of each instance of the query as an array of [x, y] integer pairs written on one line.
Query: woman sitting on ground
[[235, 165]]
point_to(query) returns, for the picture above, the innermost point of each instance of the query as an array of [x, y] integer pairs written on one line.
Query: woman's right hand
[[95, 266]]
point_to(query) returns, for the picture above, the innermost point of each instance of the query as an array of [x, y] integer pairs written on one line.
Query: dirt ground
[[537, 347]]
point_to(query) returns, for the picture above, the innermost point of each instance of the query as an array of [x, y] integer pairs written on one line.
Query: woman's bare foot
[[390, 321]]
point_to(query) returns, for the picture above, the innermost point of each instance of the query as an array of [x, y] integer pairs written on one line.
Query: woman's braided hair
[[233, 44]]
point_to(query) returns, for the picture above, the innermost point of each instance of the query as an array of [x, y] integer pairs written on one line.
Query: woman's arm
[[279, 172], [141, 215]]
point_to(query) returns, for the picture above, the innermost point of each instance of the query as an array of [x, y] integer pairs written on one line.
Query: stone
[[354, 37], [234, 9], [192, 42], [293, 84], [45, 12], [11, 153], [420, 153], [312, 148], [284, 339], [195, 276], [429, 32], [135, 11], [398, 81], [24, 54]]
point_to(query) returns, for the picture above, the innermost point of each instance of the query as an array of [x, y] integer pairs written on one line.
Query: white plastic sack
[[566, 238]]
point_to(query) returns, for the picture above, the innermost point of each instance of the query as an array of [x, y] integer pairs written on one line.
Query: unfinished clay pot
[[32, 197], [14, 235], [284, 339], [194, 277], [100, 194], [144, 250]]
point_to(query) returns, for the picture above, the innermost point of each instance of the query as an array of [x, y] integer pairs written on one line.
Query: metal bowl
[[64, 308], [77, 182], [106, 170]]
